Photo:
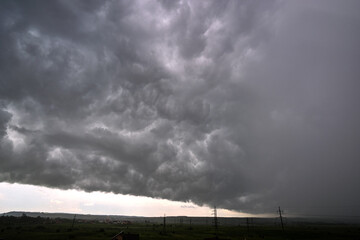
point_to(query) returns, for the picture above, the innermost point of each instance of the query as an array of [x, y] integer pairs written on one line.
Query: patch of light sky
[[20, 197]]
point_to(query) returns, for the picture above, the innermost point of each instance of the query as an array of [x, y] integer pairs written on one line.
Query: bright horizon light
[[29, 198]]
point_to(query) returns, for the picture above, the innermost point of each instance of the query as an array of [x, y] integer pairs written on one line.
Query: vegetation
[[52, 229]]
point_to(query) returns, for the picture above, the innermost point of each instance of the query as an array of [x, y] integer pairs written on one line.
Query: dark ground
[[45, 228]]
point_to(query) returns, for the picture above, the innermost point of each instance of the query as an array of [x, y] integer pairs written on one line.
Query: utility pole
[[164, 223], [247, 224], [73, 222], [215, 220], [281, 220]]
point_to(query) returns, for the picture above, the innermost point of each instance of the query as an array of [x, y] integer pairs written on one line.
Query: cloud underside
[[241, 104]]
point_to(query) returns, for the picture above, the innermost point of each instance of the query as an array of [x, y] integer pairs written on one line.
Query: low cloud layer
[[246, 105]]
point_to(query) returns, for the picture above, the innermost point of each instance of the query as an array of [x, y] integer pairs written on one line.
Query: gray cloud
[[244, 105]]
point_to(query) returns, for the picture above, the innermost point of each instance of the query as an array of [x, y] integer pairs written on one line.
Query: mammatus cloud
[[246, 105]]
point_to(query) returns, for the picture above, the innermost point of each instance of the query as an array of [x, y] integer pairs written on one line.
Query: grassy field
[[39, 228]]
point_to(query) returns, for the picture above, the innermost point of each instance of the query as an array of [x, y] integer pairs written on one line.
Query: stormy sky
[[246, 105]]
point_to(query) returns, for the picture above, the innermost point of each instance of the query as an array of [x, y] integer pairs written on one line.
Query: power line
[[302, 211], [324, 215]]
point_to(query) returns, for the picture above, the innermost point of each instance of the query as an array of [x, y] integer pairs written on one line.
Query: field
[[51, 229]]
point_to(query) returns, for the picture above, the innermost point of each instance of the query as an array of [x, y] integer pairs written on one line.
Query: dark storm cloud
[[246, 105]]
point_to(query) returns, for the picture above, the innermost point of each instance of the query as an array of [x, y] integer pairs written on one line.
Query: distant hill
[[184, 219], [158, 220], [67, 215]]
